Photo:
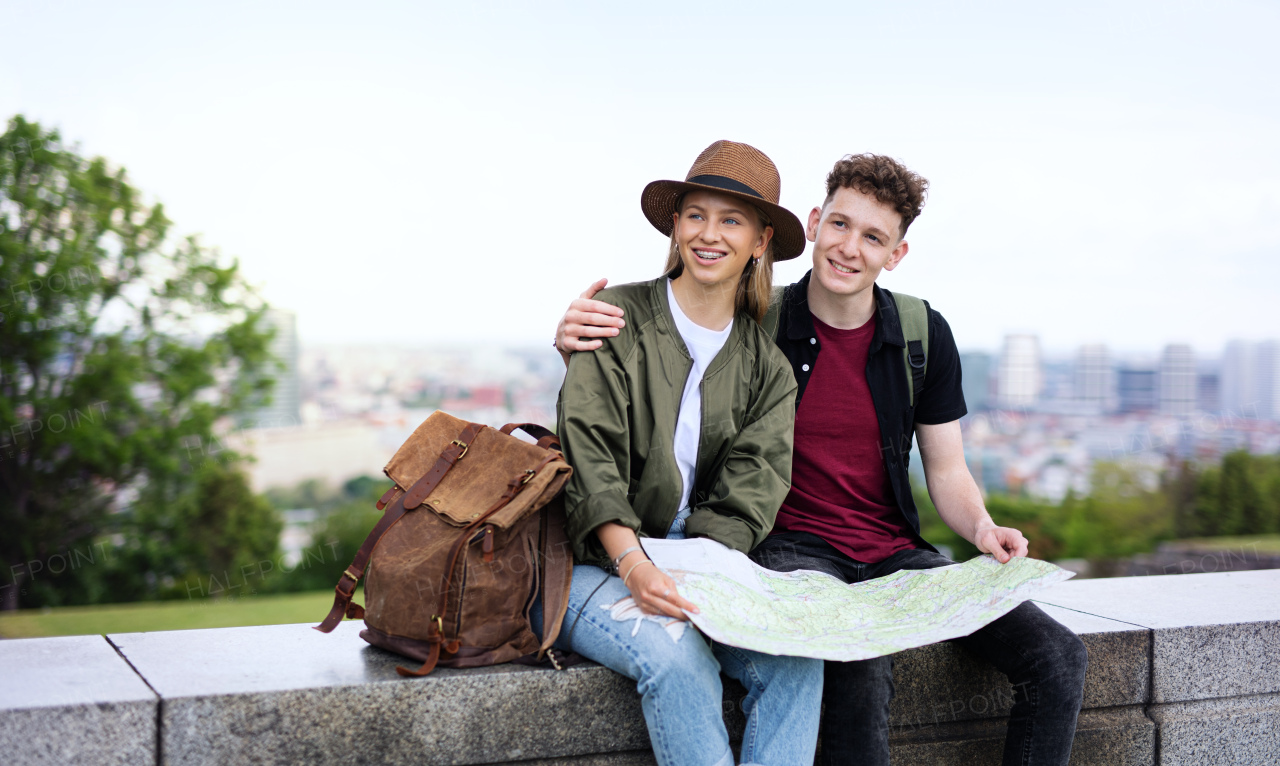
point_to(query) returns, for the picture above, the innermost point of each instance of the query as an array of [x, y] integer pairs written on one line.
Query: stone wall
[[1182, 670]]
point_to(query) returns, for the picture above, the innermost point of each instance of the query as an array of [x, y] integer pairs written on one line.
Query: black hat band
[[723, 182]]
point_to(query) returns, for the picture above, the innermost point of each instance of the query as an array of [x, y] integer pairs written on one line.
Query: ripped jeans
[[679, 682]]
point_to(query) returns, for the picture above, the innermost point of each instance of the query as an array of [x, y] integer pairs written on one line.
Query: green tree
[[348, 517], [120, 353], [1238, 499], [309, 493], [215, 539], [1120, 517], [1180, 488]]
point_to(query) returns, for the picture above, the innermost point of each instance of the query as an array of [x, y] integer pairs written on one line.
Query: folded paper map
[[810, 614]]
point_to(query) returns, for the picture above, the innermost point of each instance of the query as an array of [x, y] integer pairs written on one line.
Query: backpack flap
[[482, 475]]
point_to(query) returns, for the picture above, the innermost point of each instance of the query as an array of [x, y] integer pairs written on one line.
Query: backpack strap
[[342, 605], [557, 574], [774, 313], [547, 438], [913, 315], [557, 562]]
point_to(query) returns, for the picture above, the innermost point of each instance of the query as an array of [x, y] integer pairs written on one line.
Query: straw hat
[[736, 170]]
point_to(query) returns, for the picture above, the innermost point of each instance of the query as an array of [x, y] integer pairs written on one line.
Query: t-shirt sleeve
[[942, 399]]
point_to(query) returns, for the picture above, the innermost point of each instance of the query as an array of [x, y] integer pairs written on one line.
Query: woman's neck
[[709, 306]]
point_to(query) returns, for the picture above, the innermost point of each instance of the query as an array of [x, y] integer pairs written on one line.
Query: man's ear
[[896, 256], [811, 231]]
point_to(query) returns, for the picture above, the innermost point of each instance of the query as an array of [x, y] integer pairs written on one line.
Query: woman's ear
[[762, 244]]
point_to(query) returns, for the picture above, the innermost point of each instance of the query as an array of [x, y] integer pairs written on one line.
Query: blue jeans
[[1043, 660], [679, 682]]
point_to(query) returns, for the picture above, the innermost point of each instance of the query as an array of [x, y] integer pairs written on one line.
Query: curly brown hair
[[884, 178]]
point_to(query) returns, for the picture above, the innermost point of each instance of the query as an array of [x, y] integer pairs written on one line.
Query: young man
[[850, 512]]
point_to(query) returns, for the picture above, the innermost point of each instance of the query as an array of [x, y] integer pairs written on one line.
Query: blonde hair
[[755, 286]]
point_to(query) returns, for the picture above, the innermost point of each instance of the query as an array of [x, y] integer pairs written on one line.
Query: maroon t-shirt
[[840, 490]]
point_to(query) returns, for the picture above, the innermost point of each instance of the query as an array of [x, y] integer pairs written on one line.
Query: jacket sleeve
[[740, 508], [594, 433]]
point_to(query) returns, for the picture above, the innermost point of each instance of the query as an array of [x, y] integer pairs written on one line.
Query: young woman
[[680, 426]]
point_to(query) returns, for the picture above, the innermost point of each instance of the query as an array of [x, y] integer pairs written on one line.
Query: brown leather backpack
[[473, 531]]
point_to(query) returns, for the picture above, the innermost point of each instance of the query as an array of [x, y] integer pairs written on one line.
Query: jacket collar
[[800, 320], [667, 324]]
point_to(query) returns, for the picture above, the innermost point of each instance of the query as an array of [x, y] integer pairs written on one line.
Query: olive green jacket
[[617, 417]]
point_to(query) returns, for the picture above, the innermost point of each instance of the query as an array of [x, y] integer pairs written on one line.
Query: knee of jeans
[[1062, 663], [1075, 658], [862, 679], [688, 659], [802, 672]]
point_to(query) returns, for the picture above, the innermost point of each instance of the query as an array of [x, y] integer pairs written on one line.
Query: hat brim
[[659, 199]]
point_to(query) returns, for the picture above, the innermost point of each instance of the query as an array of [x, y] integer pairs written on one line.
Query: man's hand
[[654, 592], [1002, 542], [586, 319]]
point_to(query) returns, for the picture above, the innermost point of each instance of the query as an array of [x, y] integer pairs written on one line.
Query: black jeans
[[1043, 659]]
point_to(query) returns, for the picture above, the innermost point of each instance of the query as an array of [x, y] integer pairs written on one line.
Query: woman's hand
[[586, 319], [654, 592]]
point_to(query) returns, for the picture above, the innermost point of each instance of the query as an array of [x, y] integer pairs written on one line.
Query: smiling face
[[854, 237], [716, 235]]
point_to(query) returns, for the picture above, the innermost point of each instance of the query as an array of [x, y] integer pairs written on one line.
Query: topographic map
[[810, 614]]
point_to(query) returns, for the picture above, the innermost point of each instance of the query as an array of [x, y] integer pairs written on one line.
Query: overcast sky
[[1101, 172]]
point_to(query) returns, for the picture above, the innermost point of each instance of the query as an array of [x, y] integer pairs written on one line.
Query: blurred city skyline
[[1038, 423], [424, 174]]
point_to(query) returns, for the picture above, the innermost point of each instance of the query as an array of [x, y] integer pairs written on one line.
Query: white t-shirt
[[703, 345]]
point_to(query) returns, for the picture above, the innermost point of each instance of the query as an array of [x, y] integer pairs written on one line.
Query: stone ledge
[[1213, 635], [73, 700], [1122, 736], [288, 693], [1234, 730], [284, 694]]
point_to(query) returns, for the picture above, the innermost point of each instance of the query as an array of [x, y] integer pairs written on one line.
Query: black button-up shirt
[[941, 400]]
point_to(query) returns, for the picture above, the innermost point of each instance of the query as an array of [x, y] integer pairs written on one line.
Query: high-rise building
[[1209, 391], [975, 378], [1251, 380], [1020, 378], [1267, 382], [1177, 380], [1238, 398], [1137, 388], [286, 395], [1095, 378]]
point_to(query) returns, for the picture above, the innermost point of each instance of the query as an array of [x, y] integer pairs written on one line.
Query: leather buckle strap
[[452, 453], [387, 497]]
